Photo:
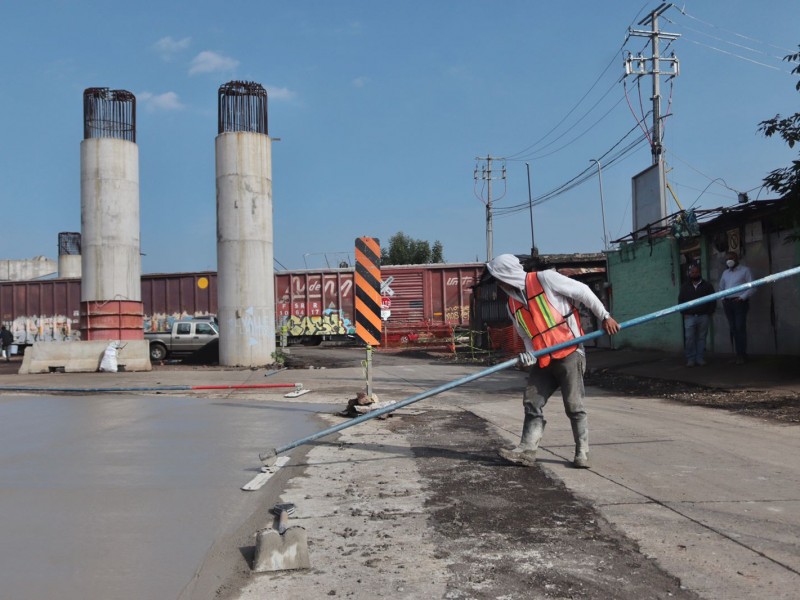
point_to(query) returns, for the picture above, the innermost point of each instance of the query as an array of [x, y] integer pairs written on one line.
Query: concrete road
[[128, 497], [119, 496], [713, 497]]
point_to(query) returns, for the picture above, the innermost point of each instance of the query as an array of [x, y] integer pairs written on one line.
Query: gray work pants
[[565, 373]]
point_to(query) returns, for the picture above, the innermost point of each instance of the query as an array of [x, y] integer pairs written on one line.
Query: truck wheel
[[158, 352]]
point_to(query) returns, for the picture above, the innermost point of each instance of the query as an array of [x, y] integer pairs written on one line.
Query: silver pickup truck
[[186, 337]]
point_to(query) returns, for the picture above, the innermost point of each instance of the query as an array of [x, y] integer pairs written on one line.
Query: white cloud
[[165, 101], [360, 82], [209, 62], [167, 47], [274, 93]]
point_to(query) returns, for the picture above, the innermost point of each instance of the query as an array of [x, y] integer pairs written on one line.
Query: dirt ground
[[771, 405], [514, 532]]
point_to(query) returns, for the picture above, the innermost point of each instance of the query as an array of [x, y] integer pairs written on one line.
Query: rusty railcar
[[422, 303]]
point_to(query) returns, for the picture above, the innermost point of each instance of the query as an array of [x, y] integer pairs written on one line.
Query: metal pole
[[656, 93], [369, 371], [530, 208], [489, 230], [269, 456], [602, 203]]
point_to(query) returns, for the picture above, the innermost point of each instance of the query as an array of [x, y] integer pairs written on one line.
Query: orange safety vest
[[542, 322]]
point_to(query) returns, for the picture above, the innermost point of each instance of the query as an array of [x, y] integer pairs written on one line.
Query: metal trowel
[[283, 548]]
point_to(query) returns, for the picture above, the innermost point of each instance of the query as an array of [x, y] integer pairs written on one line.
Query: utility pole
[[530, 208], [486, 175], [602, 203], [637, 65]]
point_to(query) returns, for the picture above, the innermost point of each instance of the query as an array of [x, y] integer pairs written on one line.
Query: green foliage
[[437, 252], [786, 181], [279, 357], [405, 250]]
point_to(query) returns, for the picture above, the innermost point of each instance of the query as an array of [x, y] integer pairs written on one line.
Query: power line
[[573, 140], [751, 39], [729, 42], [565, 117], [739, 56], [581, 177], [696, 170], [678, 184], [724, 41], [530, 148], [534, 156], [588, 173]]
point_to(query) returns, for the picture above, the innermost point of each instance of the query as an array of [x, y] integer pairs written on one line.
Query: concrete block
[[83, 357]]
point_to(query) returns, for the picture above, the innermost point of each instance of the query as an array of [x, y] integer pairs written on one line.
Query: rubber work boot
[[581, 460], [519, 456]]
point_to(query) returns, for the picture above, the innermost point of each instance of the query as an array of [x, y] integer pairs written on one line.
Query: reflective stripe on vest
[[542, 322]]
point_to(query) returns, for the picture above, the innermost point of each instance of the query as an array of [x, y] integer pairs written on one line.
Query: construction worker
[[543, 306]]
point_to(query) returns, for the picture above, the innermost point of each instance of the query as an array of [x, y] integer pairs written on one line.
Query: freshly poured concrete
[[122, 497]]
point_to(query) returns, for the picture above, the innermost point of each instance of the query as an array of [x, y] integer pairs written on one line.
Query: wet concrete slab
[[114, 496]]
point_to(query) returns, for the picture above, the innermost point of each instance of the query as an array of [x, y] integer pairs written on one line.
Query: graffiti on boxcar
[[314, 286], [345, 287], [57, 328], [331, 322], [456, 314], [466, 281]]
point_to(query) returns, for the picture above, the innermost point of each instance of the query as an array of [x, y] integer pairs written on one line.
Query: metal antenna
[[530, 208]]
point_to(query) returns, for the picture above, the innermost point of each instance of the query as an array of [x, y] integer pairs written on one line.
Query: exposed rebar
[[69, 243], [109, 114], [242, 107]]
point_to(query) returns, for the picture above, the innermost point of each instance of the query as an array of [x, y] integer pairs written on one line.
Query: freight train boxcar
[[422, 303]]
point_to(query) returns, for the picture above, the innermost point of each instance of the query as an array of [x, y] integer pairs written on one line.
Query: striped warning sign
[[368, 290]]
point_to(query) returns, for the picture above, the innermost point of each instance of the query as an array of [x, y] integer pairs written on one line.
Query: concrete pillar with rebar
[[245, 277], [69, 254], [111, 269]]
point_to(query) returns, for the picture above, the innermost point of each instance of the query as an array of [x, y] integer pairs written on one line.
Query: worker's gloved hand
[[526, 359]]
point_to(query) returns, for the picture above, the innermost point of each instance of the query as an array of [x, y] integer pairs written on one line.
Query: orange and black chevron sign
[[368, 290]]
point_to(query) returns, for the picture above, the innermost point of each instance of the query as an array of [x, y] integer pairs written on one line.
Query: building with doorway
[[649, 266]]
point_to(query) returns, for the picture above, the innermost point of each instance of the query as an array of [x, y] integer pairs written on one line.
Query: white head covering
[[507, 268]]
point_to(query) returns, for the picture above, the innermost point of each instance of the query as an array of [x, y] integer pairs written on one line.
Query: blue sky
[[382, 108]]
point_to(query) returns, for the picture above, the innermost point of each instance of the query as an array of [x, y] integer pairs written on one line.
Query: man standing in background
[[6, 339], [696, 318], [736, 307]]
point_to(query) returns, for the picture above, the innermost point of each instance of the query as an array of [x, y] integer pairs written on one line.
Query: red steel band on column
[[368, 290]]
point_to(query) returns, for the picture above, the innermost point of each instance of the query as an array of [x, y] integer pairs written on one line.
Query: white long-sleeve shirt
[[563, 293], [736, 276]]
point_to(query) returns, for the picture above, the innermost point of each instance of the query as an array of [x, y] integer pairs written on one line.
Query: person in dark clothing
[[6, 339], [697, 318]]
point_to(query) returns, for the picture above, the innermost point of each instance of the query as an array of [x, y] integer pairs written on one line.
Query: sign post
[[368, 301]]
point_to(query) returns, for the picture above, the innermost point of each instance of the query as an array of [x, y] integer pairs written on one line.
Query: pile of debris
[[364, 403]]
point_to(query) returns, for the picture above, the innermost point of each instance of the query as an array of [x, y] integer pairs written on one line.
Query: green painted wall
[[645, 277]]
